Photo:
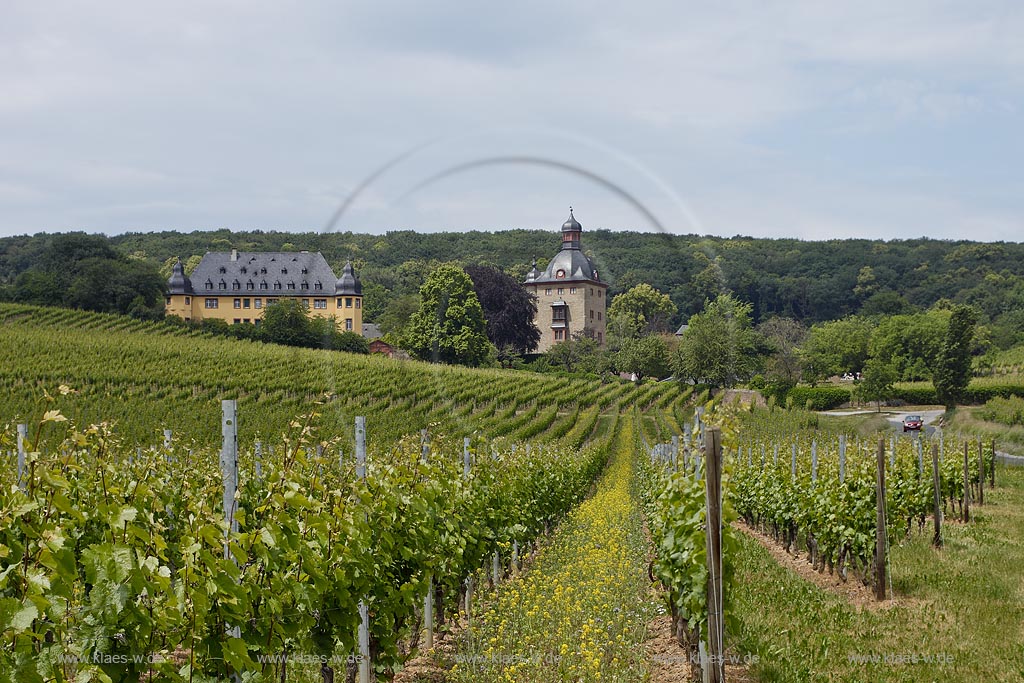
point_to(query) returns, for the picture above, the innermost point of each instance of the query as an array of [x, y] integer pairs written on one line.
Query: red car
[[912, 423]]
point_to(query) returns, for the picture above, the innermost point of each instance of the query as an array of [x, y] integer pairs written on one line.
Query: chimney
[[234, 254]]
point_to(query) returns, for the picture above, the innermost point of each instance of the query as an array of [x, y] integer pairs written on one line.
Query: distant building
[[381, 346], [570, 296], [238, 286], [371, 331]]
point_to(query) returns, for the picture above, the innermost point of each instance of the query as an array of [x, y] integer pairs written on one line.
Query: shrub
[[818, 398], [1008, 411]]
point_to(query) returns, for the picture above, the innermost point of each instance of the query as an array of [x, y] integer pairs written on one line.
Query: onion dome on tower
[[348, 283], [178, 283]]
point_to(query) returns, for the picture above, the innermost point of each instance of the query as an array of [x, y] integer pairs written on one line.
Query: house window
[[209, 284], [222, 285], [600, 338], [560, 273], [236, 285], [305, 303], [305, 285], [277, 285], [257, 303], [561, 291], [348, 324], [211, 303], [263, 285], [599, 315], [238, 321], [591, 291], [238, 303], [599, 294], [291, 284], [246, 321], [249, 285], [572, 290], [559, 335], [558, 314], [359, 303], [547, 291], [339, 303], [319, 303], [188, 301], [167, 301], [348, 302], [318, 285], [591, 313], [245, 303]]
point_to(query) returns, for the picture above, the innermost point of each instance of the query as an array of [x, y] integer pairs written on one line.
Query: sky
[[816, 120]]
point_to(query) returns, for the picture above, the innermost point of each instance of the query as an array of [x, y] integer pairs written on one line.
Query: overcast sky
[[813, 119]]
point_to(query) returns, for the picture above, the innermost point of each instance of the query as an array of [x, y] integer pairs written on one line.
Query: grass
[[579, 613], [966, 420], [962, 605]]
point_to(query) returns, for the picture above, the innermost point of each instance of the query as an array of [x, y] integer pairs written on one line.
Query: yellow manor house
[[236, 286]]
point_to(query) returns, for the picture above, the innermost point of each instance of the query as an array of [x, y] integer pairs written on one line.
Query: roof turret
[[348, 283]]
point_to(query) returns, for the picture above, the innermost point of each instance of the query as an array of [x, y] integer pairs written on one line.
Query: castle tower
[[571, 298]]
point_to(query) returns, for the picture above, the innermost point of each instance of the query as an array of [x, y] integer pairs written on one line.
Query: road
[[928, 416]]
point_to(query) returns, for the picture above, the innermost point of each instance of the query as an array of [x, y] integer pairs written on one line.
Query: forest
[[810, 281]]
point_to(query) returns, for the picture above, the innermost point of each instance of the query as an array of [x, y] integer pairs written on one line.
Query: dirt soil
[[670, 662]]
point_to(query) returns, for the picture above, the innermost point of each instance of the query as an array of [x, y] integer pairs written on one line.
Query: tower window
[[572, 290]]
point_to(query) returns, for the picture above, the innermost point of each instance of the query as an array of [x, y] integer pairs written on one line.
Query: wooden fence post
[[880, 549], [937, 539], [967, 484], [713, 529]]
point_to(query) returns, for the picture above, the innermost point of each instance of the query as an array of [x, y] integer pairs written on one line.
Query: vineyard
[[356, 508], [147, 377]]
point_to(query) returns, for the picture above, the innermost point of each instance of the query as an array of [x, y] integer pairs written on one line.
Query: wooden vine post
[[981, 473], [364, 610], [937, 539], [967, 484], [992, 472], [715, 671], [880, 549]]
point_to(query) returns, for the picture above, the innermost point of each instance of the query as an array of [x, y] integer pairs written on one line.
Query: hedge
[[975, 395], [820, 398]]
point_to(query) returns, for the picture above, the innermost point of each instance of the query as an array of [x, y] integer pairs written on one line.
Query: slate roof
[[574, 264], [266, 273]]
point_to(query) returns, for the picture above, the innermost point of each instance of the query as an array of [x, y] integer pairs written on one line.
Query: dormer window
[[305, 271], [263, 271], [244, 270], [209, 284], [305, 285], [284, 271], [560, 273], [318, 285], [222, 285], [291, 284], [263, 284], [277, 285], [250, 285], [223, 269], [236, 285]]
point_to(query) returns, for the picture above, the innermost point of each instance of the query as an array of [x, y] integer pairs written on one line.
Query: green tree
[[449, 326], [573, 355], [910, 343], [286, 322], [836, 347], [719, 346], [642, 310], [953, 371], [644, 357], [878, 381], [784, 367]]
